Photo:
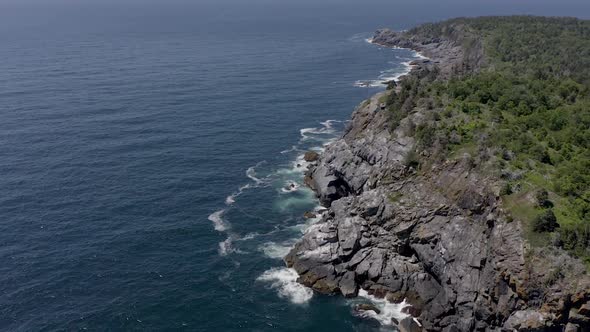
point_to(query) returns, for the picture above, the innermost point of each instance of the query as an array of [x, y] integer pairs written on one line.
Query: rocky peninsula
[[435, 234]]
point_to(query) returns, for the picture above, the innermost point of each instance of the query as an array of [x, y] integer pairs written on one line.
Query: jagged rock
[[438, 238], [325, 286], [526, 320], [349, 234], [309, 215], [576, 318], [348, 285], [367, 307], [408, 324], [327, 185], [585, 309], [572, 328], [413, 311], [311, 156]]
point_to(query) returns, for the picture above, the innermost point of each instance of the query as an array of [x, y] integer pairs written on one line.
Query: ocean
[[151, 156]]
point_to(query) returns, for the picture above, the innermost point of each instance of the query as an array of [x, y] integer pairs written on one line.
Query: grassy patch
[[395, 197], [521, 208]]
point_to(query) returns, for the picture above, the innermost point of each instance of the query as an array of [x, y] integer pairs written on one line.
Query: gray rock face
[[529, 320], [438, 239], [439, 253], [409, 325], [447, 54]]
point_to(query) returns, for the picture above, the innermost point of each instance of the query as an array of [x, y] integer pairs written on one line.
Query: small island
[[464, 189]]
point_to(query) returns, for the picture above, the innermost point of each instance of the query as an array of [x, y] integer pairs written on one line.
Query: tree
[[542, 197], [545, 222]]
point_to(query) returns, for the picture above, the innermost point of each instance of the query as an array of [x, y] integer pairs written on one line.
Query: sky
[[384, 12], [531, 3]]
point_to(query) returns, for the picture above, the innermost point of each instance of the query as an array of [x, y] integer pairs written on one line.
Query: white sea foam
[[293, 148], [287, 202], [326, 143], [390, 74], [298, 166], [316, 133], [284, 281], [251, 174], [218, 222], [290, 186], [308, 133], [305, 227], [249, 236], [225, 247], [231, 199], [359, 37], [328, 124], [276, 250], [388, 310], [385, 77]]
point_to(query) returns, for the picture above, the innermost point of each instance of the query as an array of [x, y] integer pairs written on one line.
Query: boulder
[[527, 320], [348, 286], [309, 215], [409, 324], [576, 318], [311, 156], [366, 307], [585, 309], [571, 328], [326, 286]]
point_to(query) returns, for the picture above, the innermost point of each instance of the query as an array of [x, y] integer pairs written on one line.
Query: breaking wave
[[389, 311], [284, 281], [388, 75], [316, 133], [276, 250], [251, 174]]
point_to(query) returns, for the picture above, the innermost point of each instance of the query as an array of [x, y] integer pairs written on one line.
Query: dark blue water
[[145, 150]]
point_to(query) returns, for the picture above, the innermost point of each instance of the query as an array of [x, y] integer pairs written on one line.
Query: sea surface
[[151, 156]]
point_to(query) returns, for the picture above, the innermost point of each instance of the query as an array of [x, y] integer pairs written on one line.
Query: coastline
[[409, 65], [437, 239], [384, 310]]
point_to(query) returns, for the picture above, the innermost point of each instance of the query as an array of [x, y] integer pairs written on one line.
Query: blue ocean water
[[150, 156]]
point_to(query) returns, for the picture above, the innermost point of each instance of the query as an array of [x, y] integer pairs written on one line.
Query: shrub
[[425, 135], [412, 159], [542, 197], [545, 222], [506, 189]]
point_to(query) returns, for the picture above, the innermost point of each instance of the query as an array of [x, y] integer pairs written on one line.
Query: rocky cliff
[[437, 236]]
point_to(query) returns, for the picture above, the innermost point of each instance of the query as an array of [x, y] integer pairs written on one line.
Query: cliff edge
[[435, 234]]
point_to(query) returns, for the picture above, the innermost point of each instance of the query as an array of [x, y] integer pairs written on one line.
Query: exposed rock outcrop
[[367, 307], [438, 238], [447, 54], [311, 156]]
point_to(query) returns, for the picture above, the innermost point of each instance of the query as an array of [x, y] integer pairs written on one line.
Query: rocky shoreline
[[437, 238]]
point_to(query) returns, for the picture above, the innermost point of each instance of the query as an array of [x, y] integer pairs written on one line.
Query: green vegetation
[[545, 222], [525, 112]]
